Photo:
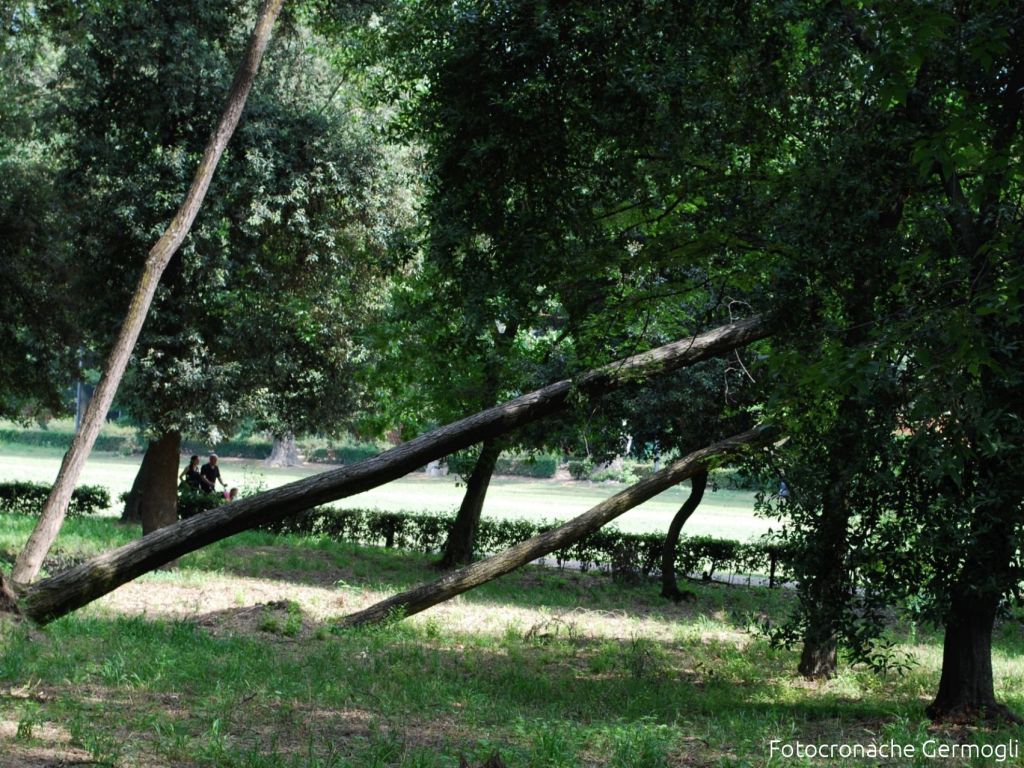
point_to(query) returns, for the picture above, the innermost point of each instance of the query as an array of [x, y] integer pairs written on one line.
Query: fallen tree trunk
[[426, 595], [56, 596], [54, 510]]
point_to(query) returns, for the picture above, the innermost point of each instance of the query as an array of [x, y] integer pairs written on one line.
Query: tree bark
[[132, 512], [153, 499], [8, 600], [27, 565], [78, 586], [818, 656], [458, 549], [284, 453], [966, 691], [826, 595], [669, 588], [424, 596], [158, 505]]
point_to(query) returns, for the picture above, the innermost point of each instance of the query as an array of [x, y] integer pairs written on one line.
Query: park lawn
[[723, 513], [231, 659]]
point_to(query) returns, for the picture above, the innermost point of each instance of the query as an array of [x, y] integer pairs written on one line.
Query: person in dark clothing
[[211, 473], [194, 478]]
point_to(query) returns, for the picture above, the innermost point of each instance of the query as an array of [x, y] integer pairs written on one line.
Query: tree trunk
[[78, 586], [158, 505], [825, 591], [284, 453], [31, 558], [669, 588], [8, 601], [422, 597], [966, 692], [458, 549], [818, 657], [132, 512]]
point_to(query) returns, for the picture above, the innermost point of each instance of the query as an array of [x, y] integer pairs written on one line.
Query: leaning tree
[[30, 560]]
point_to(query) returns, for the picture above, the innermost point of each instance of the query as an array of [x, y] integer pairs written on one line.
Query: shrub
[[123, 444], [343, 454], [540, 465], [629, 555], [24, 498], [580, 469], [192, 502], [736, 480]]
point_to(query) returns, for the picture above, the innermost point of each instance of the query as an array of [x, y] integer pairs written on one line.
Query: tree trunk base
[[677, 595], [8, 600], [447, 563], [284, 453], [818, 662], [965, 713]]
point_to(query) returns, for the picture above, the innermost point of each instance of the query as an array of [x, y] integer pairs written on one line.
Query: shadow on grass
[[326, 563], [421, 688]]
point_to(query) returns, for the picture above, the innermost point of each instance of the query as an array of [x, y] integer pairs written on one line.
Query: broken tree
[[27, 565], [67, 591], [426, 595]]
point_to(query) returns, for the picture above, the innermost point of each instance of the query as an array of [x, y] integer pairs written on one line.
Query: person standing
[[193, 477], [211, 473]]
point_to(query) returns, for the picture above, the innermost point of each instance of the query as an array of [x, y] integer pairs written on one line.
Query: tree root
[[8, 600], [677, 595], [992, 713]]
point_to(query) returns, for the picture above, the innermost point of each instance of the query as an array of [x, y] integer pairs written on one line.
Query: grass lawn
[[723, 513], [231, 659]]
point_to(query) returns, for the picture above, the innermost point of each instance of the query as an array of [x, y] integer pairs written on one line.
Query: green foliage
[[192, 502], [291, 236], [537, 465], [609, 549], [123, 444], [23, 498]]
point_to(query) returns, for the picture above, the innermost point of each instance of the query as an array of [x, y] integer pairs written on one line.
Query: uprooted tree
[[58, 595]]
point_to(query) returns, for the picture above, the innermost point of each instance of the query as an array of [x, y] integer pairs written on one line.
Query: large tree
[[166, 245], [37, 355], [906, 468], [579, 168], [291, 235]]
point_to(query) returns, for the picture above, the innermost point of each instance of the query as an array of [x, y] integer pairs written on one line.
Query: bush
[[123, 444], [23, 498], [343, 454], [622, 554], [580, 469], [540, 466], [736, 480], [627, 471], [192, 502]]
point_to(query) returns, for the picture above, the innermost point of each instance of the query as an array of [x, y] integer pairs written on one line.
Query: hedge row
[[113, 443], [541, 466], [23, 498], [609, 549], [345, 454]]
